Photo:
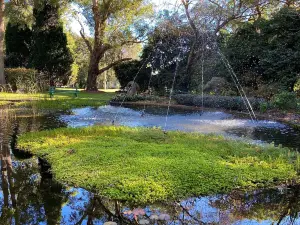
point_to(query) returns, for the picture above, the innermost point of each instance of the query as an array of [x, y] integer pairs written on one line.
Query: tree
[[112, 23], [17, 42], [126, 72], [267, 50], [21, 5], [2, 78], [169, 42], [50, 53]]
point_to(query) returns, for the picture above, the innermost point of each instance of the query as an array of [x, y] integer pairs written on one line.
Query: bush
[[127, 71], [263, 107], [135, 98], [218, 85], [211, 101], [285, 100], [297, 87], [184, 99], [25, 80]]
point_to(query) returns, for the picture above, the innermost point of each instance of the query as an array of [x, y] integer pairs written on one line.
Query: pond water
[[29, 196], [261, 131]]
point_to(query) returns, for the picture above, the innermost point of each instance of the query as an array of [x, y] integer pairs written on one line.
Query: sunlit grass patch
[[146, 165], [62, 99], [2, 103]]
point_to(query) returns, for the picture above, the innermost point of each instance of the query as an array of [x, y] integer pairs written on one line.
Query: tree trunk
[[105, 81], [93, 72], [191, 56], [2, 77]]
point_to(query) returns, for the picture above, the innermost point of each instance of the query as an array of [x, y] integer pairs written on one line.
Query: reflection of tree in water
[[38, 199], [94, 209], [26, 198], [274, 204]]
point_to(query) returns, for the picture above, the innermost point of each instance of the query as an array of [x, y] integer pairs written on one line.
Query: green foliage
[[25, 80], [286, 100], [135, 98], [166, 43], [17, 43], [49, 52], [3, 103], [146, 165], [263, 107], [212, 101], [297, 87], [267, 51], [127, 71], [19, 12]]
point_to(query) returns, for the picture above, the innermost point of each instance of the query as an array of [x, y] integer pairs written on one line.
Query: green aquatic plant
[[147, 165]]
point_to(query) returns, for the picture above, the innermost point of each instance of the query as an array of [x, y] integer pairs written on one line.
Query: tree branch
[[113, 64], [82, 34], [185, 3], [88, 44]]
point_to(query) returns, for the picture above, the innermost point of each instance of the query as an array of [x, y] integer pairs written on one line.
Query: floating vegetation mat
[[143, 165]]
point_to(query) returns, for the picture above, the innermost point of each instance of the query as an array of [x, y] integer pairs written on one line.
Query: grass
[[145, 165], [3, 103], [63, 99]]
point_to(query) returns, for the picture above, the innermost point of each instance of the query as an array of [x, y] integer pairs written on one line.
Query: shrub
[[218, 85], [25, 80], [225, 102], [135, 98], [297, 87], [263, 107], [285, 100], [127, 71], [184, 99]]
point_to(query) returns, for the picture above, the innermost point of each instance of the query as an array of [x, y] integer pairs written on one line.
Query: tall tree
[[111, 23], [17, 43], [50, 53], [267, 50], [20, 5], [2, 77]]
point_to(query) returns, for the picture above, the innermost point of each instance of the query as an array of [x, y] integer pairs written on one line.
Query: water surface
[[30, 197], [260, 131]]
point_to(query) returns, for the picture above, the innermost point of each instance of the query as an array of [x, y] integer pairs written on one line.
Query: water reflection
[[29, 196]]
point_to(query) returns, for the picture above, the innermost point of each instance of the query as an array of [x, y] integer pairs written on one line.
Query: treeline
[[262, 48], [36, 38], [258, 41], [42, 47]]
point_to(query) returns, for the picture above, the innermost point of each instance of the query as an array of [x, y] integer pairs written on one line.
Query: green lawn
[[145, 165], [2, 103], [63, 99]]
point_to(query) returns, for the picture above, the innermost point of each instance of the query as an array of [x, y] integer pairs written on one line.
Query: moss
[[145, 165]]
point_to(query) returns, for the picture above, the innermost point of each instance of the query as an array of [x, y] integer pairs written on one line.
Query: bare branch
[[82, 34], [185, 3], [88, 44], [113, 64]]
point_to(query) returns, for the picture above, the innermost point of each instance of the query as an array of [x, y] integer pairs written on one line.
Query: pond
[[230, 125], [30, 196]]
